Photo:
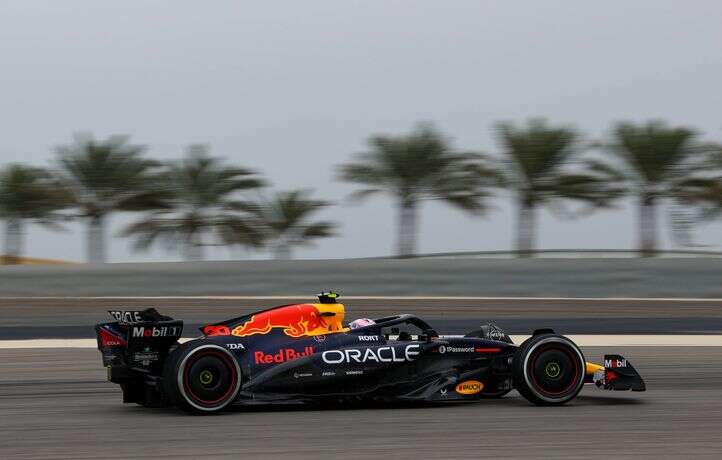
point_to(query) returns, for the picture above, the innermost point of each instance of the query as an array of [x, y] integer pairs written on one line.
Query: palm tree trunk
[[526, 228], [13, 241], [408, 229], [193, 248], [96, 240], [282, 251], [647, 226]]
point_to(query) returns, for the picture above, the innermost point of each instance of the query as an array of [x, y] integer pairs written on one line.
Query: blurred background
[[534, 163], [172, 130]]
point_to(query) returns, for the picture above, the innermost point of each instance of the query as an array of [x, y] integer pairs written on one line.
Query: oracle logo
[[379, 355]]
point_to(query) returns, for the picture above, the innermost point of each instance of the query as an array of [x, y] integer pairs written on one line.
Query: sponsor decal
[[294, 320], [299, 375], [460, 349], [443, 392], [495, 333], [379, 355], [126, 316], [328, 374], [448, 349], [110, 340], [281, 356], [368, 338], [469, 387], [612, 363], [235, 346], [146, 356], [319, 338], [155, 331], [354, 372]]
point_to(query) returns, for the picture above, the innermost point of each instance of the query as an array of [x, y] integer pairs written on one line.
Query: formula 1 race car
[[303, 353]]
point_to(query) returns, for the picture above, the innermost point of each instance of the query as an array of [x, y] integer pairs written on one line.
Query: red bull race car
[[304, 353]]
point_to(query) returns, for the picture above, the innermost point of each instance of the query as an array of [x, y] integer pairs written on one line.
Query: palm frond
[[654, 151], [31, 193], [422, 166], [323, 229], [360, 195], [537, 151]]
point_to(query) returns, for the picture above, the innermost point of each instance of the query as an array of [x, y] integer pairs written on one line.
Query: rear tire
[[201, 377], [549, 370]]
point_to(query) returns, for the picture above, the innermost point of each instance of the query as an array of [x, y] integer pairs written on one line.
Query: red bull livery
[[303, 353]]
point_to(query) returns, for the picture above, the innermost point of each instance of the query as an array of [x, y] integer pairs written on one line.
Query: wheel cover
[[553, 370], [209, 378]]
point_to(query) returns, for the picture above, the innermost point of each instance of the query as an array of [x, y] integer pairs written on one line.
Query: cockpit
[[401, 328]]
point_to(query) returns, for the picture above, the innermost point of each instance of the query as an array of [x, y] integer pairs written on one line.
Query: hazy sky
[[293, 88]]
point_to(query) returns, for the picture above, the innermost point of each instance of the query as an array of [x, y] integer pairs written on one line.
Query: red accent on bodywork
[[487, 350], [216, 330], [108, 339]]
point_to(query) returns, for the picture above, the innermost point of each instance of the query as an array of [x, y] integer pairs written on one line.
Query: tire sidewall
[[175, 371], [523, 381]]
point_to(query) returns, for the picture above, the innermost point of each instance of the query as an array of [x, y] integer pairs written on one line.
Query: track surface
[[56, 404]]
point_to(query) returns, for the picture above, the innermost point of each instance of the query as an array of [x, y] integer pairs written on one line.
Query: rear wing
[[137, 340]]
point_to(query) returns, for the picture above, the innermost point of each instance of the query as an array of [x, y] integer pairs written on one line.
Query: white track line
[[584, 340]]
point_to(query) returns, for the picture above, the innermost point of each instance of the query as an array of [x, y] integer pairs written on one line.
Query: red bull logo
[[286, 354], [295, 320]]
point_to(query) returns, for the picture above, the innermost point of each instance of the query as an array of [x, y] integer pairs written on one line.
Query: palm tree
[[417, 167], [201, 207], [105, 176], [699, 198], [27, 193], [537, 156], [286, 221], [660, 162]]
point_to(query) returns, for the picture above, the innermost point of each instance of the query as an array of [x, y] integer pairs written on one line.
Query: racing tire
[[548, 370], [201, 377]]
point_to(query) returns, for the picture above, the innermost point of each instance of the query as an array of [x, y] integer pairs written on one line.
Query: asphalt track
[[56, 404]]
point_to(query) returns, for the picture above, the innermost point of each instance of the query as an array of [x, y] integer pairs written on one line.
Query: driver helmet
[[361, 322]]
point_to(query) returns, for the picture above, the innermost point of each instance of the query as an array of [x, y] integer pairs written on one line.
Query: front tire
[[549, 370], [201, 377]]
